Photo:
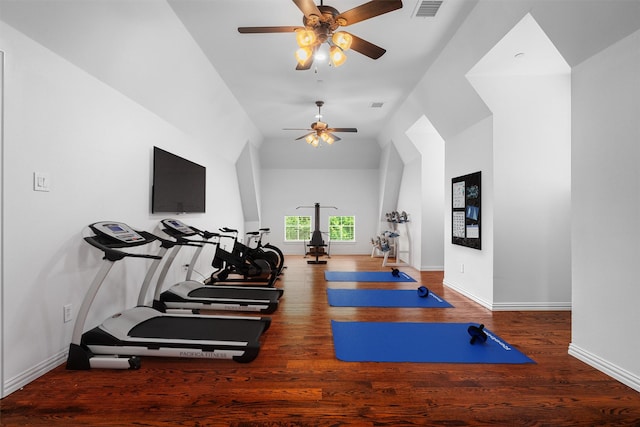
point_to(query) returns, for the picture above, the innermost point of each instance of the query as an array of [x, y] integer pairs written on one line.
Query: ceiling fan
[[321, 24], [320, 131]]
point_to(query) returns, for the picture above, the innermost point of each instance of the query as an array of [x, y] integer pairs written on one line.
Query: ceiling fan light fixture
[[303, 54], [342, 40], [337, 56], [310, 138], [305, 38], [327, 138]]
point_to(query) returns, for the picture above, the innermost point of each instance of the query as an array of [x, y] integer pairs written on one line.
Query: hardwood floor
[[297, 381]]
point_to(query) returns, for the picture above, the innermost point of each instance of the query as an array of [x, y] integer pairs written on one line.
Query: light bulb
[[303, 54], [337, 56], [305, 38], [342, 40]]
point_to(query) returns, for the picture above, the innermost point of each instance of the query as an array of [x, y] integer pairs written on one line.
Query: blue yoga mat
[[418, 342], [383, 298], [366, 276]]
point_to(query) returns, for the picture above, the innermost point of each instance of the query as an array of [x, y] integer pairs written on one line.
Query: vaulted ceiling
[[139, 47], [260, 69]]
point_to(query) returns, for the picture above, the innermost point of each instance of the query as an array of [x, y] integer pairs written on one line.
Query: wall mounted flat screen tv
[[179, 185]]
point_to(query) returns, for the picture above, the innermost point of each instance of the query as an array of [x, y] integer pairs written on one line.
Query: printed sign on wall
[[465, 211]]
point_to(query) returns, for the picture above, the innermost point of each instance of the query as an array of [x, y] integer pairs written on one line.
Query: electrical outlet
[[185, 267], [67, 313]]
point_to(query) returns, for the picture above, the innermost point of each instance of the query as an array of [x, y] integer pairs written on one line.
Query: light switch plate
[[41, 181]]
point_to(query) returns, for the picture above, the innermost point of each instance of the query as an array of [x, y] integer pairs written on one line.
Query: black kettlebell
[[395, 272], [423, 292]]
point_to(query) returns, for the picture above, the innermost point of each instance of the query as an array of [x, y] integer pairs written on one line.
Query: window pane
[[297, 228], [342, 228], [348, 233]]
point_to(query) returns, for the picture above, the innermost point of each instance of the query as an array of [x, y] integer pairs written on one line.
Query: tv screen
[[178, 184]]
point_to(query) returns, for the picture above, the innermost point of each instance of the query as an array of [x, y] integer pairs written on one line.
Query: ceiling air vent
[[427, 9], [377, 104]]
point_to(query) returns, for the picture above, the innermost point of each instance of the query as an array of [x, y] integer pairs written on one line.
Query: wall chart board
[[465, 211]]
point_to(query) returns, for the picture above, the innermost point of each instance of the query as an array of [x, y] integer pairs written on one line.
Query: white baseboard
[[455, 287], [510, 306], [33, 373], [625, 377], [531, 306], [432, 268]]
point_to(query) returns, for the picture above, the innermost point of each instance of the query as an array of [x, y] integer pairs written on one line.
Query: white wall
[[410, 201], [96, 144], [247, 172], [1, 218], [605, 209], [470, 271], [431, 146], [353, 192], [390, 180], [532, 173], [530, 98]]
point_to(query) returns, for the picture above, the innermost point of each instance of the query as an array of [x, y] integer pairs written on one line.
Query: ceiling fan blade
[[304, 136], [296, 129], [342, 130], [259, 30], [369, 10], [308, 7], [307, 64], [366, 48], [335, 138]]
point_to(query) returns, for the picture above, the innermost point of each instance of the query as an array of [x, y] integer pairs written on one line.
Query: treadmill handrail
[[182, 239], [204, 233], [113, 254]]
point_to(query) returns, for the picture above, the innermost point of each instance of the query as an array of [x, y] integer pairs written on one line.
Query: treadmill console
[[117, 230], [178, 226]]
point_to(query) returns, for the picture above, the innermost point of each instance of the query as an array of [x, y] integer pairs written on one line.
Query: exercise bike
[[239, 265], [269, 252]]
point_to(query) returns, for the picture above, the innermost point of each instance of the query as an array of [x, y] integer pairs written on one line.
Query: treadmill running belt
[[199, 328], [230, 293]]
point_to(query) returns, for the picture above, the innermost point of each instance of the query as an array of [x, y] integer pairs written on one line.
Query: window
[[297, 228], [342, 228]]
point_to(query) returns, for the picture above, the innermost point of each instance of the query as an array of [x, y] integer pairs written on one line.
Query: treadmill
[[195, 296], [145, 331]]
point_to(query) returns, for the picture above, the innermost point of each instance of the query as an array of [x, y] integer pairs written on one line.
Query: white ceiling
[[260, 69], [126, 44]]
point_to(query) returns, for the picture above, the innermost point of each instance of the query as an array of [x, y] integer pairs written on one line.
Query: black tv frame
[[178, 184]]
